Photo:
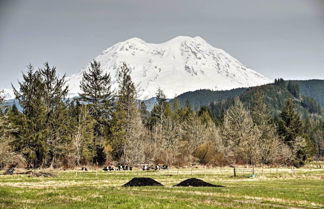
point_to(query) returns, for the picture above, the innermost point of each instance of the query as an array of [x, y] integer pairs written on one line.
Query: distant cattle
[[125, 168], [84, 169], [146, 168], [108, 168], [165, 167], [118, 168], [153, 167]]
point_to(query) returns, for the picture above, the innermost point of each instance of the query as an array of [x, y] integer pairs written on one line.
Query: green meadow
[[271, 188]]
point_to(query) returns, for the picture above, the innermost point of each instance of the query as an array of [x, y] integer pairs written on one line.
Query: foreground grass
[[276, 188]]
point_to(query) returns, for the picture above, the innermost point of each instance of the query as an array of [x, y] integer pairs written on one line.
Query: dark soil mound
[[139, 182], [193, 182]]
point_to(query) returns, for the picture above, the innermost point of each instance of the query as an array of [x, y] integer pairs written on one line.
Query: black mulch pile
[[139, 182], [193, 182]]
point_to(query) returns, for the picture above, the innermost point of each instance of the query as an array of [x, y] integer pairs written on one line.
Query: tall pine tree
[[41, 130], [98, 95], [127, 128]]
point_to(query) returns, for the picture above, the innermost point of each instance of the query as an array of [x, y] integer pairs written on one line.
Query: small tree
[[83, 135]]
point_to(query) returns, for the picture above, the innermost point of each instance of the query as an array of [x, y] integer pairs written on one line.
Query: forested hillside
[[204, 97], [314, 89], [310, 96], [275, 96]]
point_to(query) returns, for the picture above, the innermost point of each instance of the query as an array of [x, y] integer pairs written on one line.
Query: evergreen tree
[[293, 88], [280, 82], [127, 129], [41, 130], [290, 125], [7, 156], [97, 93], [290, 129]]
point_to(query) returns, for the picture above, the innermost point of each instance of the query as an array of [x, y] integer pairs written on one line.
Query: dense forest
[[312, 89], [276, 124]]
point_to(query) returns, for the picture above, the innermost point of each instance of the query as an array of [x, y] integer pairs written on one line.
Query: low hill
[[310, 101], [204, 97], [313, 89]]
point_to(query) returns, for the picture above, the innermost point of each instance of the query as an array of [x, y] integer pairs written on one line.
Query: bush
[[9, 158]]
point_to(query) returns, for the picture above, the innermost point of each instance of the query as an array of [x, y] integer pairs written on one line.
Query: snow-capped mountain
[[179, 65], [7, 94]]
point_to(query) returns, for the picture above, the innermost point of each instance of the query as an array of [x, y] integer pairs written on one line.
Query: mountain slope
[[200, 98], [180, 65], [308, 88], [313, 89]]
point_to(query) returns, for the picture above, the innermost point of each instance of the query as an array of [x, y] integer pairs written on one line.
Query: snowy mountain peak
[[176, 66], [7, 94]]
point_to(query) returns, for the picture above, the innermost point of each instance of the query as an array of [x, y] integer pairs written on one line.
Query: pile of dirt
[[193, 182], [139, 182]]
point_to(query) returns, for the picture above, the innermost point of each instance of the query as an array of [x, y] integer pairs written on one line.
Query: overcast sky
[[278, 38]]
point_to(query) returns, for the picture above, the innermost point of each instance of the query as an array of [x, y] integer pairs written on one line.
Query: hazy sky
[[278, 38]]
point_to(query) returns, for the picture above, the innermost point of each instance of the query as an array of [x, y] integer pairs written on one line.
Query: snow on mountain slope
[[7, 94], [179, 65]]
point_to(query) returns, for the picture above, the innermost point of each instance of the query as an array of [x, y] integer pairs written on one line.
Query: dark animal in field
[[146, 168], [10, 170], [118, 168], [108, 168], [84, 169], [124, 168], [151, 167], [165, 167], [142, 182], [193, 182]]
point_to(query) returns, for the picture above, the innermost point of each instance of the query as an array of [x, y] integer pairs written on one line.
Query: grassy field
[[272, 188]]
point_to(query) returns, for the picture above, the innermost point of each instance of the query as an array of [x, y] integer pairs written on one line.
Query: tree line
[[104, 125]]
